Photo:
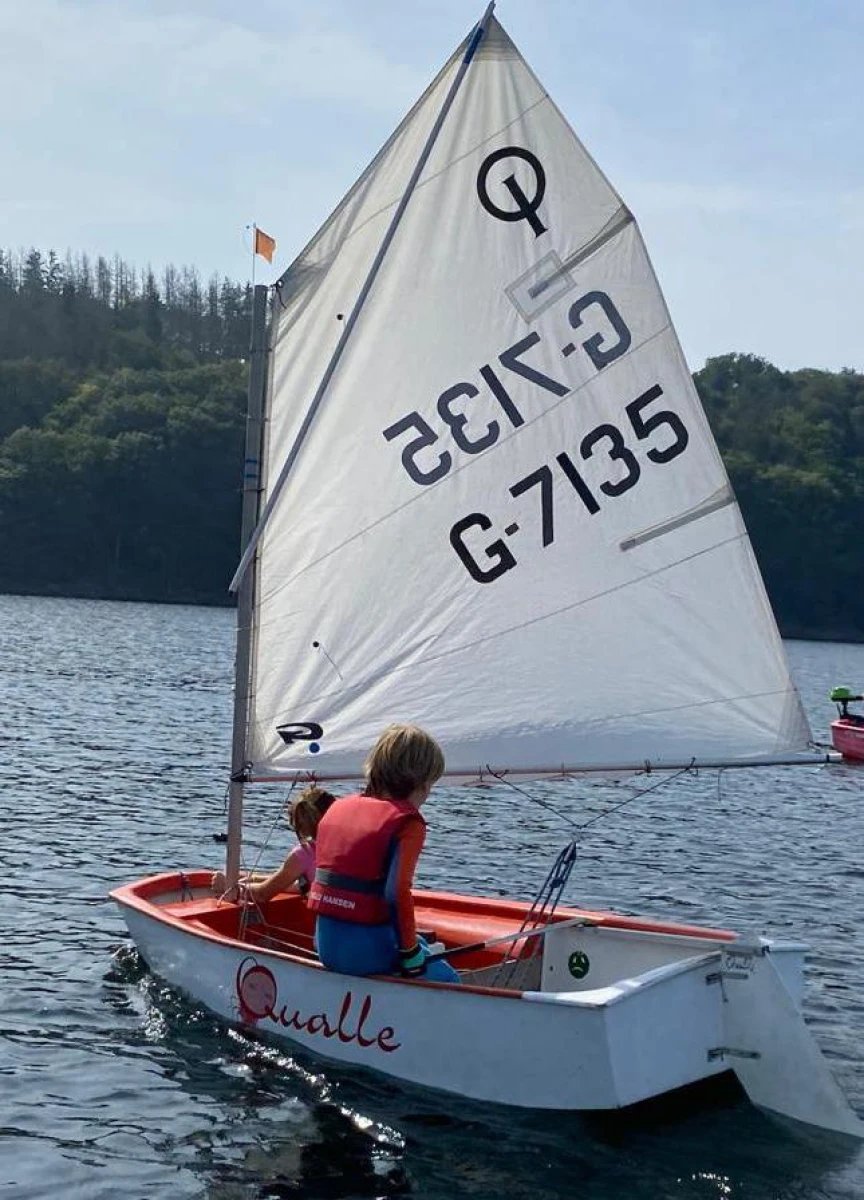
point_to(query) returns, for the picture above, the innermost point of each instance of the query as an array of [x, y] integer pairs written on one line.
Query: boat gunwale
[[125, 896], [132, 895], [617, 993]]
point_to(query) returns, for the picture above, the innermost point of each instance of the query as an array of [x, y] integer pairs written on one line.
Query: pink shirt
[[303, 858]]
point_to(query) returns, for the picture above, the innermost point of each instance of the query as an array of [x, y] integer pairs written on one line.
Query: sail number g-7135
[[643, 423], [644, 417]]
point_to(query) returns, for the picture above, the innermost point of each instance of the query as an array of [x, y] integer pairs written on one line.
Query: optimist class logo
[[258, 1000]]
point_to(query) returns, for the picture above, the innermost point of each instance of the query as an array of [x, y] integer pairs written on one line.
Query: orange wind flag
[[264, 244]]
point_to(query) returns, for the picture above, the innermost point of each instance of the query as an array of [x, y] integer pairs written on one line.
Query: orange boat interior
[[285, 925]]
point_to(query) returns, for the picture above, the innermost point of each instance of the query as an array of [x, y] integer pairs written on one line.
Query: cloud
[[129, 124], [184, 64]]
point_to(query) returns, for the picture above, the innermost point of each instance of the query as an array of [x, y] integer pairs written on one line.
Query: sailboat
[[481, 495]]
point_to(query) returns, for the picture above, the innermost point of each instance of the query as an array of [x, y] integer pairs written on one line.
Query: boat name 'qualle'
[[258, 998]]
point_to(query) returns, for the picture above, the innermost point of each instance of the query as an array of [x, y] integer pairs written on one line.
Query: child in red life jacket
[[298, 868], [366, 852]]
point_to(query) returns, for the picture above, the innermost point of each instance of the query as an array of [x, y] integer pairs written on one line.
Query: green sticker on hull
[[578, 964]]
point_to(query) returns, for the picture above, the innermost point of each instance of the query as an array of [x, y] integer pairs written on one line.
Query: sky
[[734, 131]]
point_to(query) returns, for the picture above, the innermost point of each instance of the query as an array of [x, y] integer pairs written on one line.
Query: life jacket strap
[[349, 883]]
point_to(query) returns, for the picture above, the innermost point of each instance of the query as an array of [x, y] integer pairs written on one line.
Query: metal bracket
[[737, 962], [743, 950], [729, 1052], [719, 976]]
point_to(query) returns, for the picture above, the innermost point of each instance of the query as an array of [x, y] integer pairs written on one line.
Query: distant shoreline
[[789, 631], [121, 595], [799, 633]]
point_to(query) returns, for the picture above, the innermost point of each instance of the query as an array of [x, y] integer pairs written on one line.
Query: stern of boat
[[661, 990]]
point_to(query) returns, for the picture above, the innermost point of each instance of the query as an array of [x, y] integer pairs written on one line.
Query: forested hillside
[[793, 443], [122, 401]]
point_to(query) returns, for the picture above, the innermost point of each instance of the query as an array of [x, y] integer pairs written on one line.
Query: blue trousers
[[355, 949]]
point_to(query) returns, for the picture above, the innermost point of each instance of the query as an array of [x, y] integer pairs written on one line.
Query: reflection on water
[[294, 1128], [117, 720], [288, 1133], [299, 1130]]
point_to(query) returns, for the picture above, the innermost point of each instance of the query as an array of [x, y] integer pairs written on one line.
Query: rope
[[688, 770], [252, 907], [542, 909], [502, 778], [545, 903], [221, 836]]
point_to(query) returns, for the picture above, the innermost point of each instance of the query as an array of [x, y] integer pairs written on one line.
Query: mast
[[279, 483], [246, 596]]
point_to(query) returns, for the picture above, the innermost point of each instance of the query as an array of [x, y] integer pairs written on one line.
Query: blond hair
[[403, 759], [307, 809]]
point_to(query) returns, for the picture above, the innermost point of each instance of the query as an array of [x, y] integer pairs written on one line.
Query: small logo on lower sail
[[302, 731]]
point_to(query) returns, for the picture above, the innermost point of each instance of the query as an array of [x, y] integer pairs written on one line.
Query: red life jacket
[[354, 847]]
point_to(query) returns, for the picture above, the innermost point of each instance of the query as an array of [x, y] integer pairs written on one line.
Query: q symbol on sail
[[526, 209]]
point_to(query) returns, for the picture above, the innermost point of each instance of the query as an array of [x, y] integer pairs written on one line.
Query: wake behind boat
[[481, 494]]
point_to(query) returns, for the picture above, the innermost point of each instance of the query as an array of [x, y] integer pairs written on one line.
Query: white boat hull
[[623, 1039]]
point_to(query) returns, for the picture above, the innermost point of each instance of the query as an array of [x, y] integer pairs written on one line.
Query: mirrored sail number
[[487, 561], [426, 462]]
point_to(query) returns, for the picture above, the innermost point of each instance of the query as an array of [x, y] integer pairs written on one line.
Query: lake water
[[115, 732]]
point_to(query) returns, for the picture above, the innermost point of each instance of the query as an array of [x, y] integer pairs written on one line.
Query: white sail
[[509, 521]]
